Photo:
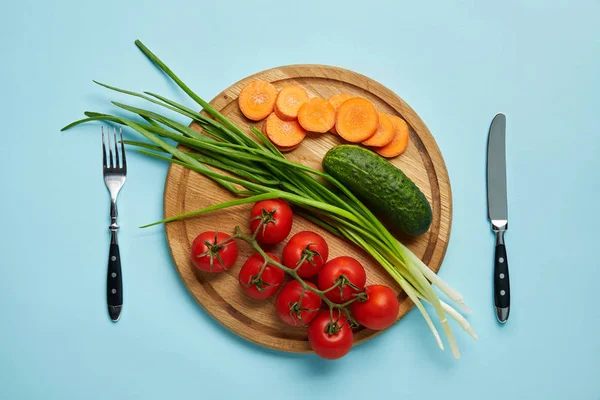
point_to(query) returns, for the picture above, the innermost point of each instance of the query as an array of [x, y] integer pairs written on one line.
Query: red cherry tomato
[[291, 309], [213, 252], [379, 311], [349, 272], [273, 219], [269, 281], [307, 246], [330, 340]]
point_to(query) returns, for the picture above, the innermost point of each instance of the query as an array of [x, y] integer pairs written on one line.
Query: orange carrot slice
[[286, 149], [289, 100], [356, 120], [264, 128], [316, 115], [335, 101], [399, 142], [384, 133], [256, 100], [281, 148], [283, 133]]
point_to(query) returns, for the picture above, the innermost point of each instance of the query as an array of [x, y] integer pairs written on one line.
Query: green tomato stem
[[290, 271]]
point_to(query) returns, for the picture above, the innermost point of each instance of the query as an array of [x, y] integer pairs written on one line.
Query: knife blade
[[498, 212]]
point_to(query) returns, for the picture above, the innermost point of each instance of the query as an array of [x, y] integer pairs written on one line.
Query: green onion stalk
[[253, 169]]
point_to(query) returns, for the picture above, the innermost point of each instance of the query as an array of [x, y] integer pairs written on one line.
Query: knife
[[498, 212]]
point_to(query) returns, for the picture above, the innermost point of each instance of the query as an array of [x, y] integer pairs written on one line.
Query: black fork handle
[[114, 283]]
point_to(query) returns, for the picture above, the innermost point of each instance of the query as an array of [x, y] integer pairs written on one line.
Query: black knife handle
[[501, 283], [114, 283]]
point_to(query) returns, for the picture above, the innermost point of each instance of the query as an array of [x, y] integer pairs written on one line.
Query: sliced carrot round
[[399, 142], [384, 133], [289, 100], [335, 101], [356, 120], [256, 100], [286, 149], [264, 128], [338, 99], [316, 115], [283, 133]]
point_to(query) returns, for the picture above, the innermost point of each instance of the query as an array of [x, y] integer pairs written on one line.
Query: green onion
[[226, 154]]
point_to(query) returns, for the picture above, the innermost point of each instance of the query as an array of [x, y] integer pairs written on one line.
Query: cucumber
[[383, 187]]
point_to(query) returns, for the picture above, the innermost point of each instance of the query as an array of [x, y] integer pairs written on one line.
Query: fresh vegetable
[[384, 133], [257, 99], [292, 304], [284, 133], [399, 142], [382, 185], [347, 274], [316, 115], [214, 251], [306, 252], [282, 149], [379, 310], [318, 196], [258, 279], [286, 149], [289, 100], [338, 99], [335, 101], [356, 120], [297, 306], [271, 221], [330, 335]]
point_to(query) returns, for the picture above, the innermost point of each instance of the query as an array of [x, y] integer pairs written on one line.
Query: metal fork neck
[[114, 227]]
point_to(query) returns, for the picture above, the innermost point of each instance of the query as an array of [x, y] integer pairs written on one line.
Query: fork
[[115, 172]]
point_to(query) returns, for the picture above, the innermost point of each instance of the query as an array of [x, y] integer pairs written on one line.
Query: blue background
[[455, 64]]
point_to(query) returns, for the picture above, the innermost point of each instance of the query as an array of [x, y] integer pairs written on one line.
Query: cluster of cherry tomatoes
[[340, 280]]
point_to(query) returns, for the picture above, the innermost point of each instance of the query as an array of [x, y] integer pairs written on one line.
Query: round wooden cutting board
[[219, 294]]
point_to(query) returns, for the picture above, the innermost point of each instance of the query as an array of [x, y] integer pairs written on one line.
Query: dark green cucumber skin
[[382, 186]]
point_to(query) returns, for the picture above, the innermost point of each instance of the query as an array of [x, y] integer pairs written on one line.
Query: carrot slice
[[256, 100], [283, 149], [283, 133], [286, 149], [356, 120], [384, 133], [316, 115], [289, 100], [336, 101], [399, 142]]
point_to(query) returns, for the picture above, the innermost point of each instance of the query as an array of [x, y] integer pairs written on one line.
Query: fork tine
[[103, 149], [123, 160], [109, 149], [116, 148]]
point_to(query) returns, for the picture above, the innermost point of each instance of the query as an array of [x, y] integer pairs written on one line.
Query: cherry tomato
[[273, 219], [349, 272], [330, 340], [213, 252], [307, 246], [379, 311], [291, 309], [269, 281]]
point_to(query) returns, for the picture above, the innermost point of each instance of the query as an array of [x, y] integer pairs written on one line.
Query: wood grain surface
[[219, 294]]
